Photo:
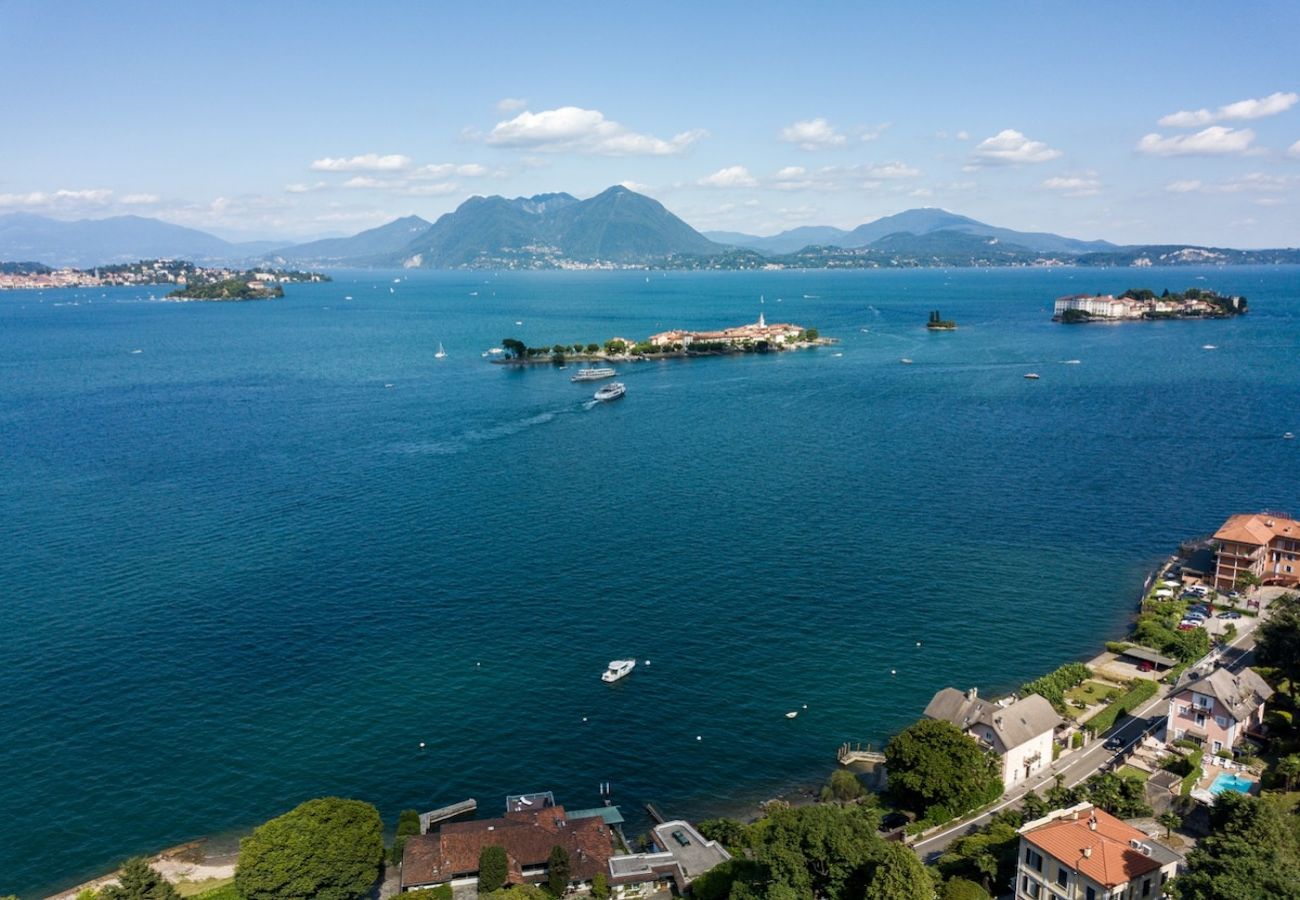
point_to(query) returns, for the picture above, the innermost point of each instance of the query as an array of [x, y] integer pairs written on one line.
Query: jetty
[[856, 753], [436, 816]]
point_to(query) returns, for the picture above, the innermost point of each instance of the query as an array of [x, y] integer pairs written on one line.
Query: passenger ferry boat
[[593, 374], [618, 668], [611, 391]]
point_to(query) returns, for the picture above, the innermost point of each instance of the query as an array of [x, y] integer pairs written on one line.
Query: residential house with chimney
[[1085, 853], [1218, 710], [1020, 731]]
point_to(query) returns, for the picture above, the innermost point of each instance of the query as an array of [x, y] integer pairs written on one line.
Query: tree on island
[[936, 770], [137, 880], [558, 870], [330, 849], [514, 349], [593, 348], [492, 869]]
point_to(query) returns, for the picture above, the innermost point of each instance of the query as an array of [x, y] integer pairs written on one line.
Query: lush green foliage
[[899, 875], [408, 825], [492, 869], [441, 892], [843, 787], [138, 881], [1277, 640], [225, 892], [1053, 685], [558, 870], [228, 289], [961, 889], [988, 855], [1138, 693], [935, 769], [733, 835], [328, 849], [1252, 853], [600, 887]]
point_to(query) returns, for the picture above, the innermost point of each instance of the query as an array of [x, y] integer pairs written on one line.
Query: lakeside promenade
[[1077, 766]]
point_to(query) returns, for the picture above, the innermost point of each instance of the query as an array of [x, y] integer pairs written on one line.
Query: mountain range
[[616, 227]]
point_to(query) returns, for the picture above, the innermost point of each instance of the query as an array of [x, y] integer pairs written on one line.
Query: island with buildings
[[939, 323], [173, 272], [756, 337], [1144, 304]]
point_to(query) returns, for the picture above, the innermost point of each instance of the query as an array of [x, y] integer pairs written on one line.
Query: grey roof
[[1150, 656], [611, 814], [1241, 693], [1014, 724]]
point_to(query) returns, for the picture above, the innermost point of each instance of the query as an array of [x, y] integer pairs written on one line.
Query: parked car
[[1146, 666], [1228, 615], [680, 837], [1114, 743], [1196, 614]]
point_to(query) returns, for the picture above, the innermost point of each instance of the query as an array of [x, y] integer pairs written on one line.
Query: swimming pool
[[1227, 781]]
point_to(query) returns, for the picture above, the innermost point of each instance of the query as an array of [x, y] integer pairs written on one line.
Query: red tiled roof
[[528, 838], [1253, 528], [1103, 854]]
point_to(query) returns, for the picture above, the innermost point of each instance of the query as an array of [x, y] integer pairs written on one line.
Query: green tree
[[593, 348], [1288, 769], [600, 887], [843, 787], [728, 832], [899, 875], [1169, 821], [615, 346], [558, 870], [514, 349], [1277, 639], [816, 850], [492, 869], [408, 825], [327, 849], [577, 348], [1250, 854], [961, 889], [931, 763], [137, 880], [83, 894], [1124, 798], [559, 349]]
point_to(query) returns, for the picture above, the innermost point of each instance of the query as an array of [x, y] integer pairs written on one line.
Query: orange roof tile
[[1103, 854], [1255, 528]]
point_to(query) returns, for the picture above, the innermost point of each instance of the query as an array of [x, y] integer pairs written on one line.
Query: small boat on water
[[441, 354], [905, 361], [618, 668], [593, 374], [1032, 376], [1071, 362], [611, 391], [1288, 436], [1209, 347], [791, 715]]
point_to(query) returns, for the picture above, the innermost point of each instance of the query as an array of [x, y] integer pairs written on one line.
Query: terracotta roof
[[1103, 854], [527, 837], [1257, 528]]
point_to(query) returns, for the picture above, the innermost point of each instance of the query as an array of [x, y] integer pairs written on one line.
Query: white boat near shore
[[618, 668]]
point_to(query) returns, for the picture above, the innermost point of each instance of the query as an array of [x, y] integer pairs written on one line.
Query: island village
[[1099, 781]]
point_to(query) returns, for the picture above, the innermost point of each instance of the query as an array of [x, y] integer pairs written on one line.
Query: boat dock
[[655, 814], [435, 816], [859, 754]]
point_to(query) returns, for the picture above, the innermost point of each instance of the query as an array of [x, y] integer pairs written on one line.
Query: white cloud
[[63, 198], [366, 162], [838, 178], [510, 104], [571, 128], [636, 186], [730, 177], [33, 198], [442, 170], [1213, 141], [874, 132], [1074, 185], [98, 195], [963, 135], [303, 188], [1294, 149], [366, 181], [813, 134], [1008, 148], [1277, 102], [140, 199], [889, 170], [791, 172], [1251, 183], [1186, 186]]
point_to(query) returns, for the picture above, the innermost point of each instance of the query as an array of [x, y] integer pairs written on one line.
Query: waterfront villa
[[1103, 306], [679, 856], [1265, 545], [1086, 853], [1018, 731], [1217, 710], [754, 333], [532, 826]]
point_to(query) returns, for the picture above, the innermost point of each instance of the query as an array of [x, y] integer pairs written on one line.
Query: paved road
[[1080, 765]]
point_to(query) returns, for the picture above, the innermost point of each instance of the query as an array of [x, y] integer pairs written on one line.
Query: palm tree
[[1169, 821]]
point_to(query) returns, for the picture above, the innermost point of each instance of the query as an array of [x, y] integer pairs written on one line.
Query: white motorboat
[[1032, 376], [618, 668], [792, 714], [441, 354], [1288, 436], [611, 391], [1209, 347], [593, 374], [905, 361]]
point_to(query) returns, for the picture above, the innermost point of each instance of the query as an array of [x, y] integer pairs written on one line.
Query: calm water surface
[[241, 571]]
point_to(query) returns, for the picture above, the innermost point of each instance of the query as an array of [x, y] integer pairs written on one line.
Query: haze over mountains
[[614, 228]]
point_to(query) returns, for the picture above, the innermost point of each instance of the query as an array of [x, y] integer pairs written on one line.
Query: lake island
[[1143, 304]]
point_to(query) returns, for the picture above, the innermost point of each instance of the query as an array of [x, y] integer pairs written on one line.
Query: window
[[1090, 894], [1146, 887], [1033, 859], [1062, 876]]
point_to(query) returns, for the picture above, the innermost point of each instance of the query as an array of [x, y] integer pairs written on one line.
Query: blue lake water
[[240, 571]]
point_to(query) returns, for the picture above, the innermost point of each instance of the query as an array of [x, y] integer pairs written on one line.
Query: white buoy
[[893, 671], [918, 643], [584, 718], [805, 706], [699, 738], [478, 664], [421, 745], [647, 662]]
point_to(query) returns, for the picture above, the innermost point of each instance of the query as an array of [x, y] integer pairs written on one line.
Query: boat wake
[[473, 437]]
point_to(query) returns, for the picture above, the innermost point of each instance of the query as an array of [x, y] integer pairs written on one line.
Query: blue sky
[[1135, 122]]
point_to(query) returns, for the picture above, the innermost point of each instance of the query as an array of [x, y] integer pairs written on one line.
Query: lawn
[[1091, 693], [210, 889], [1132, 772]]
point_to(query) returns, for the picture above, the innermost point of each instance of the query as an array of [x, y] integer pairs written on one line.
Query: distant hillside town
[[36, 276]]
